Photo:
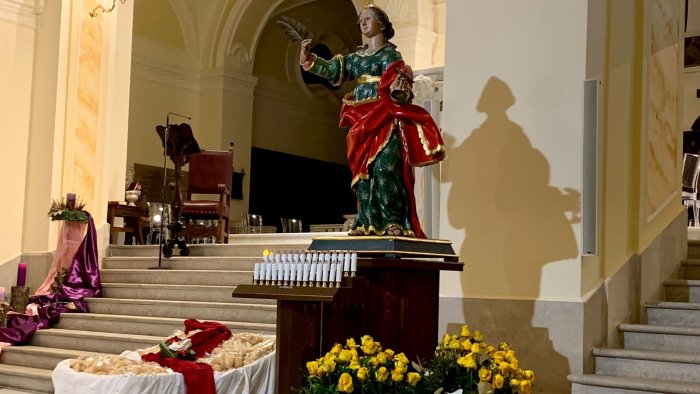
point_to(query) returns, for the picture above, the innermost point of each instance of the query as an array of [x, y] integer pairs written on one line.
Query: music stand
[[181, 145]]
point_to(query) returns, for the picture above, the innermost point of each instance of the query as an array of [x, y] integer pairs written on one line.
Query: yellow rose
[[478, 337], [490, 349], [454, 344], [336, 349], [366, 339], [397, 375], [505, 346], [498, 381], [476, 348], [389, 354], [413, 378], [382, 374], [465, 331], [514, 383], [381, 358], [345, 355], [368, 345], [484, 375], [401, 358], [354, 353], [312, 367], [529, 375], [354, 363], [345, 383], [467, 361], [446, 339], [329, 365], [510, 356], [362, 373], [503, 367], [322, 371], [374, 361], [401, 367], [351, 343], [525, 387], [467, 345]]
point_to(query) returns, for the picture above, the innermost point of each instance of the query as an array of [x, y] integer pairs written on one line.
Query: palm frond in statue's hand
[[293, 29]]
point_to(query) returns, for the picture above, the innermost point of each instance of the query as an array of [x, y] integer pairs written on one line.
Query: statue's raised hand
[[305, 54]]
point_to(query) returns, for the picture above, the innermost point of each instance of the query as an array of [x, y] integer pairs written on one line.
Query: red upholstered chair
[[210, 173]]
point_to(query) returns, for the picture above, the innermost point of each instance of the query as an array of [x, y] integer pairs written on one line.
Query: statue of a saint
[[388, 135]]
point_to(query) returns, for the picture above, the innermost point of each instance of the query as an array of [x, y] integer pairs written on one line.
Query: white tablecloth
[[258, 377]]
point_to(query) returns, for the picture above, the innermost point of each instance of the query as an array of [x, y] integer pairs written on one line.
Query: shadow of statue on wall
[[515, 222]]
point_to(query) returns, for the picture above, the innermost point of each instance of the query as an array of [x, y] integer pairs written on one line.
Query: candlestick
[[22, 274], [70, 201], [4, 308]]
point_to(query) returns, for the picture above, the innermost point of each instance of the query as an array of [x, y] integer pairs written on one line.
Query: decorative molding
[[20, 12], [399, 11], [239, 58], [229, 80], [166, 74]]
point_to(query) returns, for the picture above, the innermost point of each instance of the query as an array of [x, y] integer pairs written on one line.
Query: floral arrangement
[[466, 362], [177, 347], [71, 211], [461, 361], [376, 370]]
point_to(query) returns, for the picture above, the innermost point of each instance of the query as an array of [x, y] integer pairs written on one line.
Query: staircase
[[662, 356], [141, 306]]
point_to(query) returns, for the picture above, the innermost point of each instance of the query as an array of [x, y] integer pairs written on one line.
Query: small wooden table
[[131, 215]]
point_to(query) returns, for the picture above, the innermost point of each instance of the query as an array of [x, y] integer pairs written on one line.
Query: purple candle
[[2, 294], [21, 274]]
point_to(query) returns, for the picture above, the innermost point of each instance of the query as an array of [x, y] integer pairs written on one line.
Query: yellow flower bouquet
[[363, 368], [466, 362]]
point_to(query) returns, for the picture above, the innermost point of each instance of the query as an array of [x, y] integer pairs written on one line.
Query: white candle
[[273, 277], [339, 274], [305, 273], [312, 272], [319, 273], [327, 257], [353, 263], [331, 276], [346, 262], [334, 257], [324, 273], [286, 272], [280, 273], [256, 274], [293, 274], [278, 258], [268, 272]]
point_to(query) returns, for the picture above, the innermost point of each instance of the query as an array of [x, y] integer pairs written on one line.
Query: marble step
[[92, 341], [690, 268], [677, 314], [237, 249], [253, 313], [603, 384], [177, 277], [216, 263], [682, 290], [38, 357], [176, 293], [661, 338], [678, 367], [26, 378], [145, 325], [693, 249]]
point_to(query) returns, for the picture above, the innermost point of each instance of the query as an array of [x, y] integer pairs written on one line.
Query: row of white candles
[[305, 269]]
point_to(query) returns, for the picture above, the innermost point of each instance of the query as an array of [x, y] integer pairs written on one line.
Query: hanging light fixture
[[93, 13]]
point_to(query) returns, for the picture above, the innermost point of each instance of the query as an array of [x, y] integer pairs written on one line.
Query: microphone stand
[[165, 183]]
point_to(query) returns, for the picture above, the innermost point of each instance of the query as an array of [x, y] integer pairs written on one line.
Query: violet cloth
[[83, 280]]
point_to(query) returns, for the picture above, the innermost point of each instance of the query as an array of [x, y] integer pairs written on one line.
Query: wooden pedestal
[[393, 300]]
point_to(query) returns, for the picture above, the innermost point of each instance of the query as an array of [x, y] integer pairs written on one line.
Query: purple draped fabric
[[83, 280]]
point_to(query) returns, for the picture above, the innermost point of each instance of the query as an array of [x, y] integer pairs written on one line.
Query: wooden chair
[[210, 173]]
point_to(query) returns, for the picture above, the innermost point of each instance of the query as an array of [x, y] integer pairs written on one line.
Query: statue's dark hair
[[383, 19]]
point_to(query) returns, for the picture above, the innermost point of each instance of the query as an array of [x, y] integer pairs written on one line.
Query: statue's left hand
[[401, 91]]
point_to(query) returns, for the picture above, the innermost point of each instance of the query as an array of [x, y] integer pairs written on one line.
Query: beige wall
[[512, 123], [67, 105]]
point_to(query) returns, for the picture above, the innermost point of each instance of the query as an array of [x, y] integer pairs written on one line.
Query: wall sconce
[[93, 13]]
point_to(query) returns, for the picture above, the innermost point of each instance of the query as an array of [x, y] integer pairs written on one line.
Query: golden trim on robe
[[369, 79]]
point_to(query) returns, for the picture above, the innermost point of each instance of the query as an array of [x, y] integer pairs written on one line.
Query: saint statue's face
[[369, 25]]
